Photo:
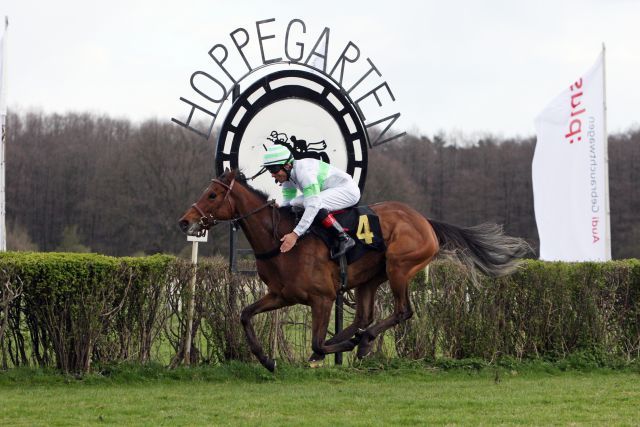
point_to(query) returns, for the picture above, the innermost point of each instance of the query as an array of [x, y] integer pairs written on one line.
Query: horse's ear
[[230, 174], [226, 170]]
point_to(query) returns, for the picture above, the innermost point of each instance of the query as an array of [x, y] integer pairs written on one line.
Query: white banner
[[570, 177], [3, 71], [3, 119]]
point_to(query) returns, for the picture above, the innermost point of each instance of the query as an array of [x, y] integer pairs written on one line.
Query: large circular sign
[[300, 110]]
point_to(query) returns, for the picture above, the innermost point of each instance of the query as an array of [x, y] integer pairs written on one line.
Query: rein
[[208, 220]]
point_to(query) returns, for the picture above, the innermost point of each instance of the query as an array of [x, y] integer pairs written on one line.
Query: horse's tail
[[483, 246]]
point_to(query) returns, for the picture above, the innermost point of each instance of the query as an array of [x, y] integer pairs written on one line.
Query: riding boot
[[345, 241]]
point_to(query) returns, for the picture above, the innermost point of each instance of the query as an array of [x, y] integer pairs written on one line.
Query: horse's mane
[[242, 179], [286, 212]]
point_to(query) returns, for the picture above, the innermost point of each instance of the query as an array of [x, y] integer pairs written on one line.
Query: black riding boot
[[346, 242]]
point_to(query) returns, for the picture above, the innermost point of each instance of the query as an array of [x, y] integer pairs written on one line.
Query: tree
[[123, 186], [71, 241]]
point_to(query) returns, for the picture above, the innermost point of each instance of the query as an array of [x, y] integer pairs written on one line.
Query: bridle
[[208, 220]]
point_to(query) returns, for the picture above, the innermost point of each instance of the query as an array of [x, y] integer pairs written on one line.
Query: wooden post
[[191, 304]]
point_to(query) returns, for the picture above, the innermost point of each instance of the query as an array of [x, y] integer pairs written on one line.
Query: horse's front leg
[[267, 303]]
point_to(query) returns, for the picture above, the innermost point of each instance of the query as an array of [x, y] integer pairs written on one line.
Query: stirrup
[[346, 243]]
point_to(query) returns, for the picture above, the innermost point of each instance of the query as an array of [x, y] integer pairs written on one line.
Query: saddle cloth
[[362, 224]]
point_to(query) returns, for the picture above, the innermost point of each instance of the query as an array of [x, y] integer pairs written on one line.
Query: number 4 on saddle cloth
[[362, 224]]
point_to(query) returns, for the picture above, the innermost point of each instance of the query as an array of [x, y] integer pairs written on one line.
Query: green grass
[[371, 394]]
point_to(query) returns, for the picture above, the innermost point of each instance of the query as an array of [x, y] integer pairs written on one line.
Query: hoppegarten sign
[[286, 85]]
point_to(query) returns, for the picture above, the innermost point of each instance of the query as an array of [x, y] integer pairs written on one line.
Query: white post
[[191, 304], [607, 223], [192, 295]]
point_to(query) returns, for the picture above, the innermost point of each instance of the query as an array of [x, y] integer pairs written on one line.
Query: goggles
[[274, 168]]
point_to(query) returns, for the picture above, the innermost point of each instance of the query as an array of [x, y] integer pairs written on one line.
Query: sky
[[463, 68]]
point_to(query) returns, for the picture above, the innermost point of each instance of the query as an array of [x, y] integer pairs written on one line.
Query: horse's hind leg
[[266, 303], [365, 295], [399, 284], [321, 313]]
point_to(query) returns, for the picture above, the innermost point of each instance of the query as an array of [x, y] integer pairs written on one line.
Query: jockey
[[324, 188]]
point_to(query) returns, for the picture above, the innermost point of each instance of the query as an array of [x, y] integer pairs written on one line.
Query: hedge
[[70, 311], [545, 310], [75, 308]]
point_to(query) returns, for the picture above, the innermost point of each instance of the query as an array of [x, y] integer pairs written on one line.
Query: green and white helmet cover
[[276, 155]]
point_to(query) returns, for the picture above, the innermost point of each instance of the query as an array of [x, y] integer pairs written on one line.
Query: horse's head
[[214, 205]]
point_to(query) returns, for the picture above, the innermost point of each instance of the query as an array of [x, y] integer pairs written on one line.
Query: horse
[[306, 275]]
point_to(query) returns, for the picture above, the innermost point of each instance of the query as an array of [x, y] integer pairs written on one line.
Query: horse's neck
[[258, 227]]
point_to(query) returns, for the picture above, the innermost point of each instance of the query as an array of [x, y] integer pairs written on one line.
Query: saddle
[[362, 224]]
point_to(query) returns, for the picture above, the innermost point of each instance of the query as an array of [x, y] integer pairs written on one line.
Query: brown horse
[[306, 275]]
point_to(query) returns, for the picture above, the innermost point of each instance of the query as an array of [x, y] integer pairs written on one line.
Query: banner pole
[[3, 134], [607, 223]]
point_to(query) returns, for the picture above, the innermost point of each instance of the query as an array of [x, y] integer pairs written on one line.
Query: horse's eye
[[212, 196]]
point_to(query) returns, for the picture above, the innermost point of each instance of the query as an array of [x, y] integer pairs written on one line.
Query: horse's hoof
[[313, 364], [364, 347], [361, 356], [363, 352], [270, 365], [315, 357]]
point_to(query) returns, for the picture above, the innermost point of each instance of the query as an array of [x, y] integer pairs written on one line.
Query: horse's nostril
[[184, 225]]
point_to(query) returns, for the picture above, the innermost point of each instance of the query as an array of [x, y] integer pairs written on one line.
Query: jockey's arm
[[312, 201], [289, 192], [312, 205]]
